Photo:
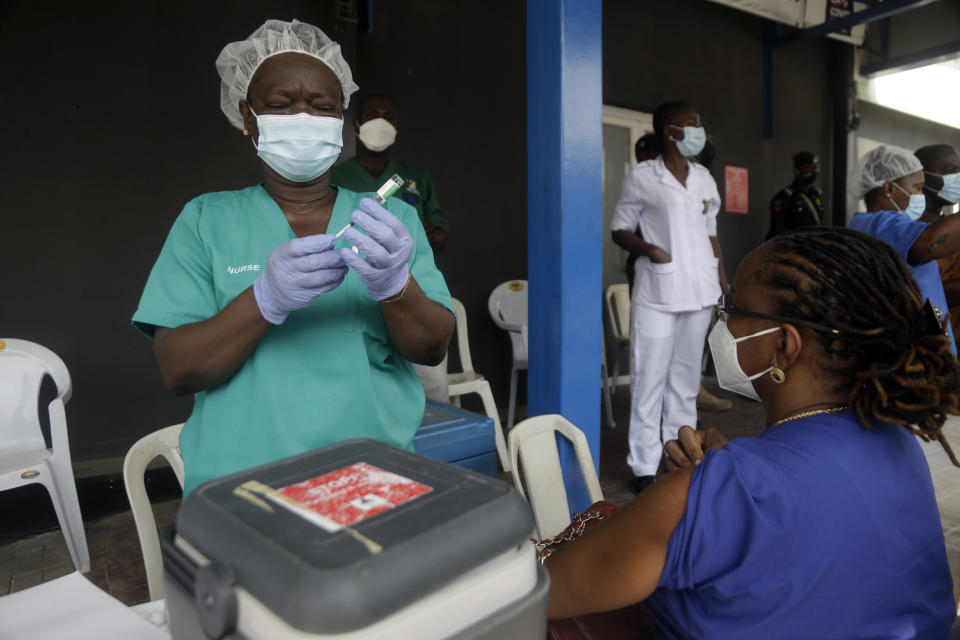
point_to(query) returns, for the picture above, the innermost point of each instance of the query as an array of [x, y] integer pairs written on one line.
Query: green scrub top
[[419, 191], [329, 373]]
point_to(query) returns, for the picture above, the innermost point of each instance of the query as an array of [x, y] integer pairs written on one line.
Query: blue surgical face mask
[[950, 191], [299, 147], [694, 139], [918, 204]]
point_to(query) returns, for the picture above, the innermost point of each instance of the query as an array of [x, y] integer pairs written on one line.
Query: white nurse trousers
[[667, 349]]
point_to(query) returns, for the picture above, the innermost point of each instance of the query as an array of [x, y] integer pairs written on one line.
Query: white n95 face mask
[[730, 376], [377, 134], [299, 147]]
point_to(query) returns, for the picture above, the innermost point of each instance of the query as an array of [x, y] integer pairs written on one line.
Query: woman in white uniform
[[678, 278]]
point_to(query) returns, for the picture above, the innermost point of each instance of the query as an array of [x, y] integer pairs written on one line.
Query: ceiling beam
[[864, 16]]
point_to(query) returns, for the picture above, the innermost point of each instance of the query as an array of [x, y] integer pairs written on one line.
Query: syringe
[[389, 188]]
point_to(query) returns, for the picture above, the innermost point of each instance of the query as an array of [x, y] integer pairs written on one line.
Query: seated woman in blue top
[[892, 182], [288, 339], [825, 526]]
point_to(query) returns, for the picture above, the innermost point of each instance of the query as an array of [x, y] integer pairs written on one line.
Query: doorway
[[621, 129]]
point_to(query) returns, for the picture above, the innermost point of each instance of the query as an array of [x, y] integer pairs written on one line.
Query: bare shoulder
[[665, 501]]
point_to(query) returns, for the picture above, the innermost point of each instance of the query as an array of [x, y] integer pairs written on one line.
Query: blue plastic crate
[[459, 437]]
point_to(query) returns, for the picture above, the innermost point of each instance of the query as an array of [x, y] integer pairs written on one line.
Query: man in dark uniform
[[801, 203]]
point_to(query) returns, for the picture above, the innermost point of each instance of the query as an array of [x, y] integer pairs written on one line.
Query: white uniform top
[[680, 221]]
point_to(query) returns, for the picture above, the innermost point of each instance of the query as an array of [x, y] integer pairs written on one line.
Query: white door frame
[[638, 123]]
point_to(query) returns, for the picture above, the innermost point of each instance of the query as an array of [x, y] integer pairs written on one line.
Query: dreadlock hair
[[894, 358]]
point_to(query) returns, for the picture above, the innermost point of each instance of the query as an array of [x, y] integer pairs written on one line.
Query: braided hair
[[894, 358]]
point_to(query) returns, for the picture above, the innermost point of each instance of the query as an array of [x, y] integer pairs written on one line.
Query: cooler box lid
[[339, 537], [450, 433]]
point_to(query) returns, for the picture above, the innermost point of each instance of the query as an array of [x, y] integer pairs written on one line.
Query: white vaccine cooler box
[[358, 540]]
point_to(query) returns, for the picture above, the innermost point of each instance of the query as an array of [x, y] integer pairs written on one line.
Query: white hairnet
[[884, 164], [238, 61]]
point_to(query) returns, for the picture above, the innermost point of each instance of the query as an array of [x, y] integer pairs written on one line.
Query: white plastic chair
[[163, 443], [534, 439], [74, 607], [605, 380], [618, 314], [469, 381], [24, 456], [507, 305]]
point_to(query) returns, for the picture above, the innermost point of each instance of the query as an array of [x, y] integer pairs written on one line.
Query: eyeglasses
[[725, 308]]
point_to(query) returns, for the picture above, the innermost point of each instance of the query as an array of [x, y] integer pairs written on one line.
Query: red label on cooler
[[355, 493]]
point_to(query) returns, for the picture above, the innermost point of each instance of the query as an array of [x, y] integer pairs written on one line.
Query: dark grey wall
[[111, 124], [710, 56], [456, 71]]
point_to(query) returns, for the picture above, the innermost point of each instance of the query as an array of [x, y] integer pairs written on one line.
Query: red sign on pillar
[[737, 189]]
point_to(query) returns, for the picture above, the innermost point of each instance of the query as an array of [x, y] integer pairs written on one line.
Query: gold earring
[[245, 132], [777, 375]]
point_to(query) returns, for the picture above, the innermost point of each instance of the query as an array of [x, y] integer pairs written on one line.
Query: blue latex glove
[[297, 272], [388, 247]]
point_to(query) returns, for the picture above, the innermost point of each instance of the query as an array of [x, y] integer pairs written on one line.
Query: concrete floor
[[117, 566]]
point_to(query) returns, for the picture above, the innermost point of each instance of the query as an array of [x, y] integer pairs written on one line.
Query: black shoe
[[642, 482]]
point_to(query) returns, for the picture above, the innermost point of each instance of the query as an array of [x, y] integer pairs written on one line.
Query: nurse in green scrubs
[[288, 337]]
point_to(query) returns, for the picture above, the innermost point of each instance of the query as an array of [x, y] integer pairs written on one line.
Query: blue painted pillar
[[565, 219]]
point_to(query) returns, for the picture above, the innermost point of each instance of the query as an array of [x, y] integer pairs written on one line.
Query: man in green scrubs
[[376, 126]]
